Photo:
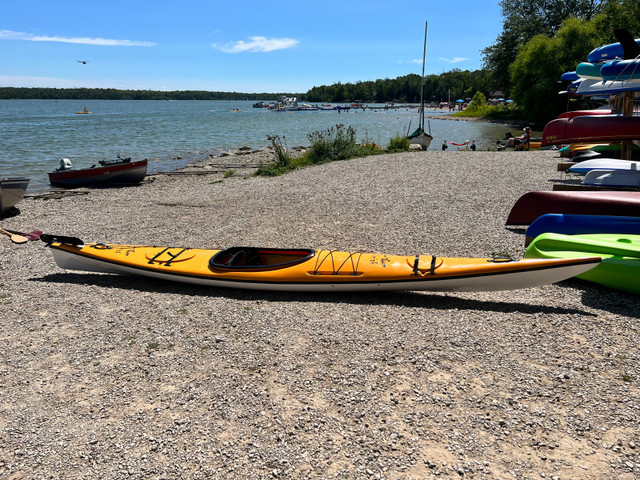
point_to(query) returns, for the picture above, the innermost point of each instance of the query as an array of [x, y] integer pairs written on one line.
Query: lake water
[[35, 134]]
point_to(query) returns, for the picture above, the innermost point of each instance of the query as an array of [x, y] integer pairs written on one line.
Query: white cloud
[[454, 59], [108, 42], [257, 44]]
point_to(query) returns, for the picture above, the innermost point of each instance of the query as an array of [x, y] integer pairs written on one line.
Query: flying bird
[[84, 62]]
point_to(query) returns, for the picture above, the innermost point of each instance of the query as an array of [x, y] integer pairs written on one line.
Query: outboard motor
[[65, 164]]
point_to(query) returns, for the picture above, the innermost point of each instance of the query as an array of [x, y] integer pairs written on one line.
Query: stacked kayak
[[579, 224], [617, 70], [620, 253], [622, 179], [532, 205], [591, 128], [313, 270], [603, 164], [609, 70], [613, 50]]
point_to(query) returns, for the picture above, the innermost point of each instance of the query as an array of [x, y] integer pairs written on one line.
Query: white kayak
[[591, 86], [604, 164], [612, 178]]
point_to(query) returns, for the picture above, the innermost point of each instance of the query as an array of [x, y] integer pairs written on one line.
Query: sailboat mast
[[424, 55]]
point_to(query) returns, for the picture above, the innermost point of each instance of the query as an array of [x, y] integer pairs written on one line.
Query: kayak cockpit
[[241, 258]]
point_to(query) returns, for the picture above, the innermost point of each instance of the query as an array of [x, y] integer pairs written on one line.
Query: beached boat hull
[[612, 178], [535, 204], [423, 139], [592, 128], [310, 270], [620, 267], [117, 173], [12, 190], [582, 224]]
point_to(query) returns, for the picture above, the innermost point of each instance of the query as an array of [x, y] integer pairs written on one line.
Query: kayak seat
[[244, 257], [262, 258]]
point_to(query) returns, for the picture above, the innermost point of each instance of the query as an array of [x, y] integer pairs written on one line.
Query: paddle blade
[[19, 239], [628, 43], [35, 235]]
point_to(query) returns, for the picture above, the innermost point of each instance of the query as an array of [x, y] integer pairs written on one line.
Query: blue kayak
[[569, 77], [607, 52], [568, 224], [621, 70]]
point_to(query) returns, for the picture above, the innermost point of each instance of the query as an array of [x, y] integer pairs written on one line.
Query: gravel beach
[[113, 377]]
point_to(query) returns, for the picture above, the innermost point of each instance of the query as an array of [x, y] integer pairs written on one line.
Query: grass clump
[[335, 143], [399, 144], [332, 144]]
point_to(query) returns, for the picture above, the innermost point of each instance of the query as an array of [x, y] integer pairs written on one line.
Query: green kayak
[[620, 253]]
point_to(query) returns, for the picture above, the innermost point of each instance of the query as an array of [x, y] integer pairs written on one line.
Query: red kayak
[[592, 128], [534, 204]]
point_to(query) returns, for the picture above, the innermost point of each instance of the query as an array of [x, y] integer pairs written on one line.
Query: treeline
[[20, 93], [437, 88], [406, 89]]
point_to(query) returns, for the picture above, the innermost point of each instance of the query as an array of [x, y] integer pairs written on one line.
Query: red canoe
[[582, 113], [121, 172], [591, 128], [534, 204]]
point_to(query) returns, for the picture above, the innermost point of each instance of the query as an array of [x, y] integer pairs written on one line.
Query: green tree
[[537, 68], [619, 14], [524, 20]]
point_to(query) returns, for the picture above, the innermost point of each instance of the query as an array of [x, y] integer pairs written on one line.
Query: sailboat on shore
[[420, 137]]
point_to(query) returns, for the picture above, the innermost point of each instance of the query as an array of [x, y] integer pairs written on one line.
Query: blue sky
[[241, 46]]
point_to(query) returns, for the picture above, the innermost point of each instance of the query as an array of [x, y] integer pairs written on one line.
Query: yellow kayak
[[312, 270]]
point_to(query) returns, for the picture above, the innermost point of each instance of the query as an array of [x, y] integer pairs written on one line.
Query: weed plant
[[333, 144]]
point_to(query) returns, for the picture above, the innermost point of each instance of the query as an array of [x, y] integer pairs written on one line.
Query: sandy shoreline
[[115, 377]]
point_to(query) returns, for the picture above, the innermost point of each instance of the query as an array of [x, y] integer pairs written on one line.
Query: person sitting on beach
[[516, 141]]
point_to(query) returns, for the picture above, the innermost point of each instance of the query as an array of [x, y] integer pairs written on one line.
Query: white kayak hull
[[612, 178], [604, 164]]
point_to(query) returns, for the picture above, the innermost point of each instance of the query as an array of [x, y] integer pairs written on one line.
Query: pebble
[[253, 385]]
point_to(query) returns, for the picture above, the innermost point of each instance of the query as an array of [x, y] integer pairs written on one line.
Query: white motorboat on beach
[[12, 190]]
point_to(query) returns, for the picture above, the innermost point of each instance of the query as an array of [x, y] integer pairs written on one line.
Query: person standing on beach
[[444, 145]]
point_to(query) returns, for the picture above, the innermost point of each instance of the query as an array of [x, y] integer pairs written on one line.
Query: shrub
[[335, 143], [399, 144]]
